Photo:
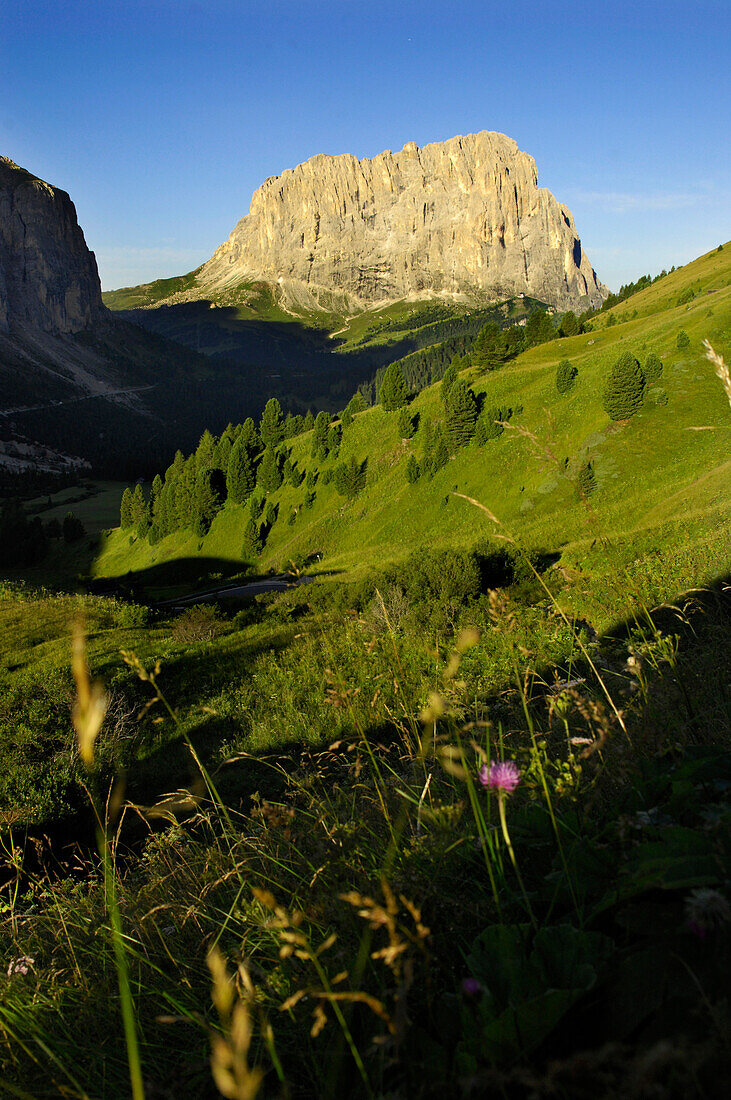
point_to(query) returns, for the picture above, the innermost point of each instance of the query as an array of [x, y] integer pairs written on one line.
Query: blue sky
[[161, 117]]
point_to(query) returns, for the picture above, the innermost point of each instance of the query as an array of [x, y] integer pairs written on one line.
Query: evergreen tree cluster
[[228, 468]]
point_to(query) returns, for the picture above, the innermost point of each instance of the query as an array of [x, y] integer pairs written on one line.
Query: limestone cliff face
[[48, 277], [459, 217]]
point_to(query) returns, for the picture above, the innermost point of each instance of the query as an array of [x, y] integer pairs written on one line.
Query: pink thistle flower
[[503, 776]]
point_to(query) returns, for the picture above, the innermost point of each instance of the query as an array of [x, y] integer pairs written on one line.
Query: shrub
[[624, 389], [412, 470], [682, 339], [565, 376], [586, 480], [686, 296], [199, 623], [659, 395], [652, 368]]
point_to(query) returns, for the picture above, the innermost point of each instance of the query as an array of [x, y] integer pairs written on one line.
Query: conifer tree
[[318, 448], [204, 451], [208, 500], [405, 423], [222, 453], [565, 376], [240, 478], [393, 393], [250, 438], [309, 422], [252, 542], [349, 477], [293, 425], [271, 428], [412, 470], [125, 510], [461, 415], [269, 477], [185, 494], [448, 379], [333, 439], [139, 505], [624, 388], [157, 487], [440, 455]]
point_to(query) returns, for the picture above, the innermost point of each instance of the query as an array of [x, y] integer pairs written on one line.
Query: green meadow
[[450, 820]]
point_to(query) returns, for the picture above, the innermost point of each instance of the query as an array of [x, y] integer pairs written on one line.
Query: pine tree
[[252, 542], [318, 447], [222, 453], [412, 470], [440, 455], [293, 425], [271, 428], [405, 423], [349, 477], [185, 494], [210, 487], [448, 379], [624, 388], [240, 478], [393, 393], [204, 451], [269, 477], [565, 376], [139, 505], [309, 422], [569, 325], [125, 510], [652, 369], [157, 486], [461, 415], [250, 438]]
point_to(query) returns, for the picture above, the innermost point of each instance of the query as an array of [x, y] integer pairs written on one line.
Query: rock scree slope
[[454, 218]]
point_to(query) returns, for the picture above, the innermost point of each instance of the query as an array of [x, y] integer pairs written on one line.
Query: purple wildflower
[[471, 987], [500, 776], [20, 966]]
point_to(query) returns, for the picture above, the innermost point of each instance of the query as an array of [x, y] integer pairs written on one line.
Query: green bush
[[565, 376], [652, 369], [624, 388], [412, 470], [682, 339], [586, 480]]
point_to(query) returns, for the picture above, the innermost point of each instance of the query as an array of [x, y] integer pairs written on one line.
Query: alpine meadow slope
[[663, 474]]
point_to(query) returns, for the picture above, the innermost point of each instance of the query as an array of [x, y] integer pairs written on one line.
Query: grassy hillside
[[451, 835], [662, 477]]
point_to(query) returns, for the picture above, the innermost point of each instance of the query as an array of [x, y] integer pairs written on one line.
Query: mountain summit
[[48, 276], [459, 218]]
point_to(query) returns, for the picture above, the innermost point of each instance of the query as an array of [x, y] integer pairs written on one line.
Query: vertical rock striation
[[459, 217], [48, 277]]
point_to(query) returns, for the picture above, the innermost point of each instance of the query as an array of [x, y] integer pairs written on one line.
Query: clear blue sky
[[161, 117]]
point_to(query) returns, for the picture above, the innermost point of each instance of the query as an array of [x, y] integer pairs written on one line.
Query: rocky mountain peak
[[48, 277], [459, 218]]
